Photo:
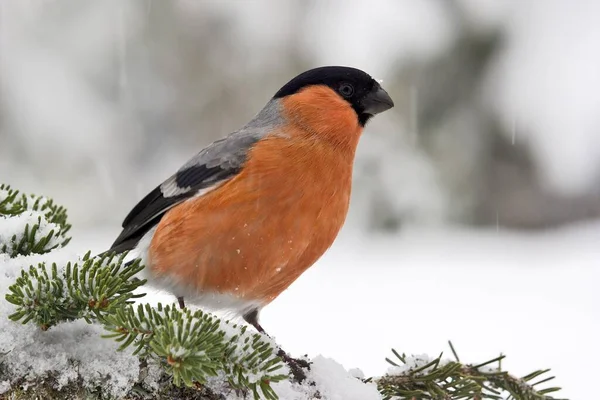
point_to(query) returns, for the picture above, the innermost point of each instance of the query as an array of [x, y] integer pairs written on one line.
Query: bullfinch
[[247, 215]]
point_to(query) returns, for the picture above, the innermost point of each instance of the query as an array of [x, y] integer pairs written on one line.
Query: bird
[[240, 221]]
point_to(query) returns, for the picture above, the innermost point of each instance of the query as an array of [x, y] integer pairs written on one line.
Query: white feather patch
[[169, 188]]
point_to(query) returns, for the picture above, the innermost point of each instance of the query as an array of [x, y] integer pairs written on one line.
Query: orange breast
[[257, 233]]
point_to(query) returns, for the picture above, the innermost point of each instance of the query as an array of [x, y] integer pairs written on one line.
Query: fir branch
[[190, 346], [418, 379], [81, 290], [33, 240], [193, 346], [10, 202], [48, 227]]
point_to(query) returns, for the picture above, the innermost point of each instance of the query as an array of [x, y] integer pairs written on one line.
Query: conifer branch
[[419, 379], [80, 290], [45, 225], [195, 345], [190, 346]]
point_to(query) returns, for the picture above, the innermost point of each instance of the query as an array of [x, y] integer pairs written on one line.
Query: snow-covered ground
[[532, 296]]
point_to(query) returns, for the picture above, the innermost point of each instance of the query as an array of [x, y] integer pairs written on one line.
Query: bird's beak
[[377, 101]]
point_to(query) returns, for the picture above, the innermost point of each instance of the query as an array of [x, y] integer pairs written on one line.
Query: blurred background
[[496, 121], [476, 201]]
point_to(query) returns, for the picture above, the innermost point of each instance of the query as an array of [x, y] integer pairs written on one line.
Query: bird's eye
[[346, 89]]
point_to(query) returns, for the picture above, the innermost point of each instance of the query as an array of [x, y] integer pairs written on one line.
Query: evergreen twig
[[34, 239], [80, 290], [194, 346], [190, 346], [453, 380]]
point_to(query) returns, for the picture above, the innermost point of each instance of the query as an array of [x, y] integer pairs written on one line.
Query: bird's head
[[328, 91]]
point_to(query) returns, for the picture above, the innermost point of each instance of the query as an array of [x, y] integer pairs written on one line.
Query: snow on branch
[[194, 346], [66, 304], [30, 224], [418, 377], [79, 290], [190, 346]]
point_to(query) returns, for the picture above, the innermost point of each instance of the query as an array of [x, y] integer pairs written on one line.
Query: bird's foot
[[296, 366], [181, 302]]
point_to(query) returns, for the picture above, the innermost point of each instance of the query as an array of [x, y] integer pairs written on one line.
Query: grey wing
[[215, 164]]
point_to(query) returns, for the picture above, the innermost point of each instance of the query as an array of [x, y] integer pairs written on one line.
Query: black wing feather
[[190, 177], [219, 162], [150, 210], [150, 198]]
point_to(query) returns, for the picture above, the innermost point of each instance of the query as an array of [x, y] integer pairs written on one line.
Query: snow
[[74, 350], [332, 382], [69, 349], [13, 227], [335, 383], [530, 296]]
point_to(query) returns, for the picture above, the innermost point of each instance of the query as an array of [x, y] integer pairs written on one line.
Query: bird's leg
[[251, 317], [181, 302], [295, 365]]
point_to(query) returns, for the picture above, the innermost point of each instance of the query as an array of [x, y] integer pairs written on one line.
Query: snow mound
[[72, 351]]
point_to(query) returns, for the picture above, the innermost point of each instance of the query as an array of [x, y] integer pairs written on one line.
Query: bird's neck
[[323, 117]]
